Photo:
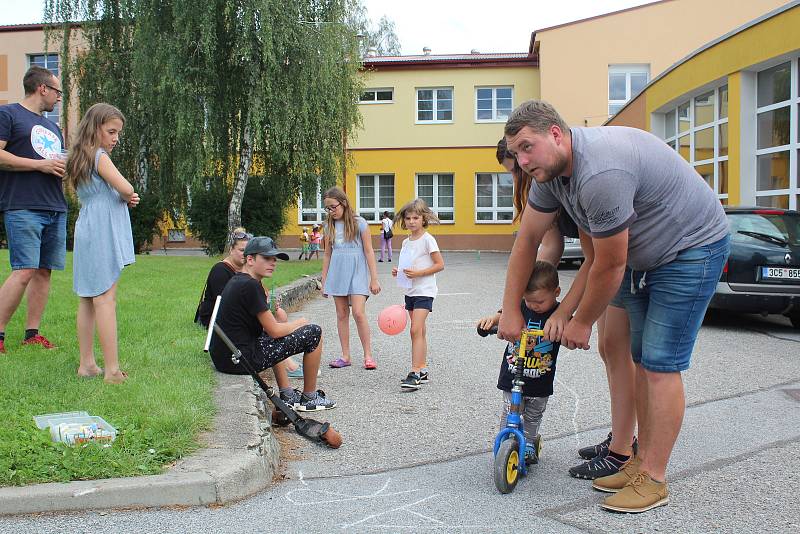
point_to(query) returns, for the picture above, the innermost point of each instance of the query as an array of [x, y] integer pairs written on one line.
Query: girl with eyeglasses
[[349, 273]]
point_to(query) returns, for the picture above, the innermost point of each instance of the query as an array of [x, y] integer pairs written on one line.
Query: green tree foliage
[[216, 92], [262, 209]]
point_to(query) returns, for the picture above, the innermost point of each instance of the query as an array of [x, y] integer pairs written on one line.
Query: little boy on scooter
[[539, 302]]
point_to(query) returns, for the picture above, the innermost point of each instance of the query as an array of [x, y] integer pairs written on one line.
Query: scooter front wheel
[[506, 466]]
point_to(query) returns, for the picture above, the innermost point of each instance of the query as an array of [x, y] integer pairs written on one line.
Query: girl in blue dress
[[103, 238], [349, 273]]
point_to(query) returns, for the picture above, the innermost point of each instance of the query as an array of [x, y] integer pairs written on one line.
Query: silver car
[[572, 250]]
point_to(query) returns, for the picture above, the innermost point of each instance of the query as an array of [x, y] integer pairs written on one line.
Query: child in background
[[538, 304], [304, 242], [349, 273], [386, 235], [419, 262], [316, 239], [103, 237]]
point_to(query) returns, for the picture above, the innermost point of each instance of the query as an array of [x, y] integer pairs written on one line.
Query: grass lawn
[[158, 412]]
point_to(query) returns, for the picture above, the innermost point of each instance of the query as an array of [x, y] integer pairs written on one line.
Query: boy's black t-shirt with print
[[242, 300], [540, 365]]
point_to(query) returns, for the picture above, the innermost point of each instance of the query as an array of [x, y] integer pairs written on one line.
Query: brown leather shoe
[[641, 494], [614, 483]]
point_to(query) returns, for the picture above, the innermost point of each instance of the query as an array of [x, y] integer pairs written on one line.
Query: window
[[493, 104], [625, 82], [438, 192], [176, 235], [435, 105], [310, 208], [777, 146], [49, 62], [375, 195], [377, 96], [494, 197], [698, 130]]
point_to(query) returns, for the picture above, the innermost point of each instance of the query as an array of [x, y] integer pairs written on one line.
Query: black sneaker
[[411, 381], [423, 377], [320, 402], [602, 465], [587, 453], [293, 400]]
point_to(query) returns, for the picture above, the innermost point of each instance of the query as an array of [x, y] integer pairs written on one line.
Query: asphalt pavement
[[420, 461]]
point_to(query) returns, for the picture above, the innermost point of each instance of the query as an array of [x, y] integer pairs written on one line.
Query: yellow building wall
[[394, 125], [574, 58], [391, 142], [770, 38]]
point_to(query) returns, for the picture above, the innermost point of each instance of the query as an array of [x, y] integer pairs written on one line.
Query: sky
[[446, 26]]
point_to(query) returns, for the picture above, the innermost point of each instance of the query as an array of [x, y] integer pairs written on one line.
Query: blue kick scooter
[[510, 443]]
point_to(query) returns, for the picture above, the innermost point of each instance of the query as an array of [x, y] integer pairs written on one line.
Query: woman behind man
[[103, 237]]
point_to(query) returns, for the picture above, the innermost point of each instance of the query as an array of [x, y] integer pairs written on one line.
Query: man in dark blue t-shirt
[[32, 200]]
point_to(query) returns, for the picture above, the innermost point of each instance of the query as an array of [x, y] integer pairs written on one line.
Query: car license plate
[[780, 273]]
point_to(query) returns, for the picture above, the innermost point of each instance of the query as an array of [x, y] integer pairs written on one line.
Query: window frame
[[793, 146], [319, 210], [494, 209], [435, 205], [715, 124], [494, 89], [627, 69], [435, 105], [378, 209], [375, 100], [54, 115]]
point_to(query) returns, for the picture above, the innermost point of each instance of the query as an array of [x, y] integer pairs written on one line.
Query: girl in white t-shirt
[[416, 270]]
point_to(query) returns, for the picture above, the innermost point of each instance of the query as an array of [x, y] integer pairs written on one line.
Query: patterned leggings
[[270, 351]]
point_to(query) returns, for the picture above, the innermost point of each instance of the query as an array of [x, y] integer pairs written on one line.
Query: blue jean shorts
[[666, 305], [37, 239]]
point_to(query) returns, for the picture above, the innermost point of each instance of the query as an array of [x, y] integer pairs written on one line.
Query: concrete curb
[[239, 456]]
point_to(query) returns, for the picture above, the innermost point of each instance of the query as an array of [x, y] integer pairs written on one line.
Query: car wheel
[[795, 318]]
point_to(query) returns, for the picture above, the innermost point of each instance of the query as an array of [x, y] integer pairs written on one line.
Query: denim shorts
[[419, 303], [37, 239], [666, 305]]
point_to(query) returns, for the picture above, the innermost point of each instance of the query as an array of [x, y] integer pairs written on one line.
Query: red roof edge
[[38, 26]]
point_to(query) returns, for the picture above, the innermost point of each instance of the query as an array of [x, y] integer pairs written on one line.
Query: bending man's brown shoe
[[641, 494]]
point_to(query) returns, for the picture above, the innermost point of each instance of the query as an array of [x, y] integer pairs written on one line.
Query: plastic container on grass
[[75, 428], [84, 430]]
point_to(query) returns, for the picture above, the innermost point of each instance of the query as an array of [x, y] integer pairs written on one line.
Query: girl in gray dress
[[103, 238], [349, 273]]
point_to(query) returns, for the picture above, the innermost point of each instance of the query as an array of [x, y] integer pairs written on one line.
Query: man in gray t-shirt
[[655, 239]]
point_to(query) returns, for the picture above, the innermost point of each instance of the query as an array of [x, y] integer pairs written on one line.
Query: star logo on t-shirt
[[48, 143]]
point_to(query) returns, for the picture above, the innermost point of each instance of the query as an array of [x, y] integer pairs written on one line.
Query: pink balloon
[[393, 320]]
